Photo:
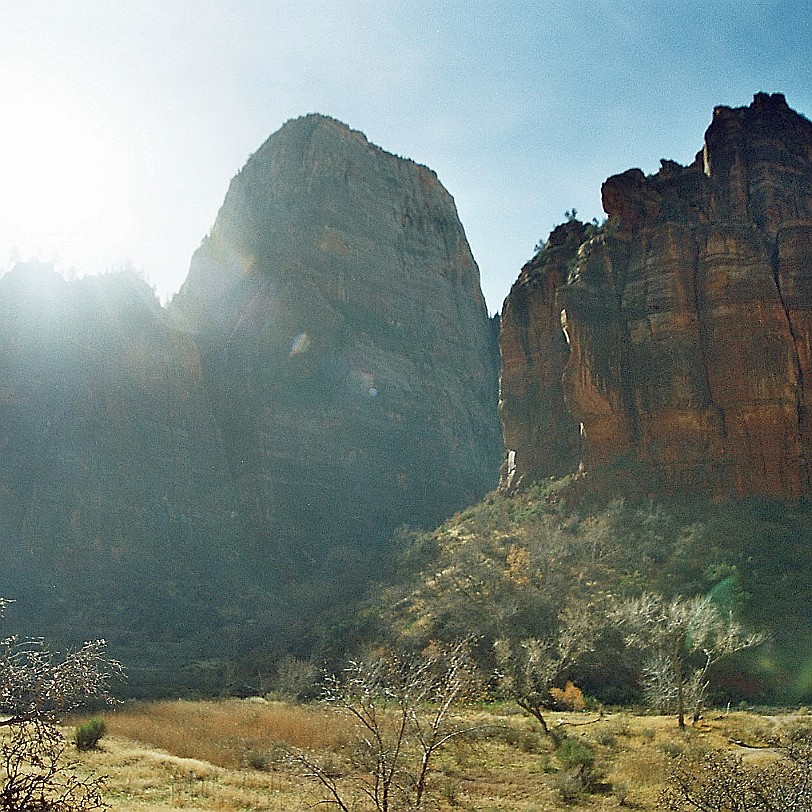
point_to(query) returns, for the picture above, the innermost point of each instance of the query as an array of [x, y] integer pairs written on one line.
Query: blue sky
[[124, 121]]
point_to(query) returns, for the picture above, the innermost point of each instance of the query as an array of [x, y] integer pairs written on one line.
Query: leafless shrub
[[723, 782], [404, 715], [35, 690], [681, 639], [529, 668]]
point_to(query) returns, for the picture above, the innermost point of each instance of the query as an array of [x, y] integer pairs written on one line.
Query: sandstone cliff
[[686, 322], [346, 341], [198, 484], [115, 504]]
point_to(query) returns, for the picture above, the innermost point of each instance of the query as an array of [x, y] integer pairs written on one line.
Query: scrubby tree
[[403, 715], [36, 689], [724, 782], [680, 638], [529, 668]]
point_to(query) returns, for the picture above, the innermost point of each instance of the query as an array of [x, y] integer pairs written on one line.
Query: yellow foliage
[[570, 698]]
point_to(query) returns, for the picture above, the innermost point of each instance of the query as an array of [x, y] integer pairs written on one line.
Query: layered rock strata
[[686, 321]]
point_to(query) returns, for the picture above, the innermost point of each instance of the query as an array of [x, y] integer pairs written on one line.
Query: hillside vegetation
[[509, 565]]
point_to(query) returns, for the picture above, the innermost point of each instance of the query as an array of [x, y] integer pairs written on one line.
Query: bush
[[36, 689], [87, 735], [576, 754], [718, 782], [404, 713], [578, 774], [570, 698], [296, 680]]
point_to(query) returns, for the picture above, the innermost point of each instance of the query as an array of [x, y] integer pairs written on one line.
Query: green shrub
[[86, 736], [578, 774], [575, 753]]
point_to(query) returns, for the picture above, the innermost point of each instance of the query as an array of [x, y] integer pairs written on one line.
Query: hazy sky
[[123, 122]]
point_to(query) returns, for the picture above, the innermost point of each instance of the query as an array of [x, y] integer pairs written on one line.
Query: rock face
[[213, 481], [686, 322], [346, 340], [539, 431], [115, 504]]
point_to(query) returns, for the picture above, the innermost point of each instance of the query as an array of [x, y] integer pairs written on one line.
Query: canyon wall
[[117, 514], [675, 339], [345, 340], [222, 478]]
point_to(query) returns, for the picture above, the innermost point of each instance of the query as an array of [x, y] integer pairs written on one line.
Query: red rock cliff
[[687, 322]]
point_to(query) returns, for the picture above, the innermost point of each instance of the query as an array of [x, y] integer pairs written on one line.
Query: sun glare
[[66, 169]]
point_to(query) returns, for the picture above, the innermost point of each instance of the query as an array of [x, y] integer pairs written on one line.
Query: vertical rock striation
[[346, 341], [539, 431], [687, 319]]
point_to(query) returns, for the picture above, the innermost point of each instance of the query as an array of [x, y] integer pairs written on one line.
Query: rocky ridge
[[676, 340]]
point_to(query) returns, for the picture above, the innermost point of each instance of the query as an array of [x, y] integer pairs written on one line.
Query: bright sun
[[65, 178]]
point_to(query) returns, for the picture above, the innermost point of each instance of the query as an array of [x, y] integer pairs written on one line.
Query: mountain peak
[[343, 273]]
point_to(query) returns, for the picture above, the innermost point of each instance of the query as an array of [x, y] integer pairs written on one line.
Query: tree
[[403, 713], [723, 782], [681, 639], [36, 689], [530, 667]]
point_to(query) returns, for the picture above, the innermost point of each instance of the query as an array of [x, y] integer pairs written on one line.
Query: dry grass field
[[230, 755]]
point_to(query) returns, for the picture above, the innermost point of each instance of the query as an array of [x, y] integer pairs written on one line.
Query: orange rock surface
[[687, 322]]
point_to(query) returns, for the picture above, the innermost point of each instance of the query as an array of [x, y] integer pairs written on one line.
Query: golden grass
[[141, 779], [232, 733], [225, 756]]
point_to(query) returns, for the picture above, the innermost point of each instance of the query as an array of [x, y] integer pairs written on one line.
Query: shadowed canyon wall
[[675, 339], [207, 480], [345, 340], [116, 511]]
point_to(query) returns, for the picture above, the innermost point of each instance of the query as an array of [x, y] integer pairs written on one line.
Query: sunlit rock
[[688, 322]]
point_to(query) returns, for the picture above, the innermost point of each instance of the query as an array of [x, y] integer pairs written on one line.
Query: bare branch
[[403, 711], [35, 690], [680, 639]]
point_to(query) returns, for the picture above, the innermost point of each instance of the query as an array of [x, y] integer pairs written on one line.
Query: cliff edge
[[676, 340]]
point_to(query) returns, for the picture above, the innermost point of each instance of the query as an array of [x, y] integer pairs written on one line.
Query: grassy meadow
[[231, 755]]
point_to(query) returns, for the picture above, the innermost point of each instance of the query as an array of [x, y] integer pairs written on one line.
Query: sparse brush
[[606, 738], [628, 759], [749, 729], [722, 781], [672, 749]]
